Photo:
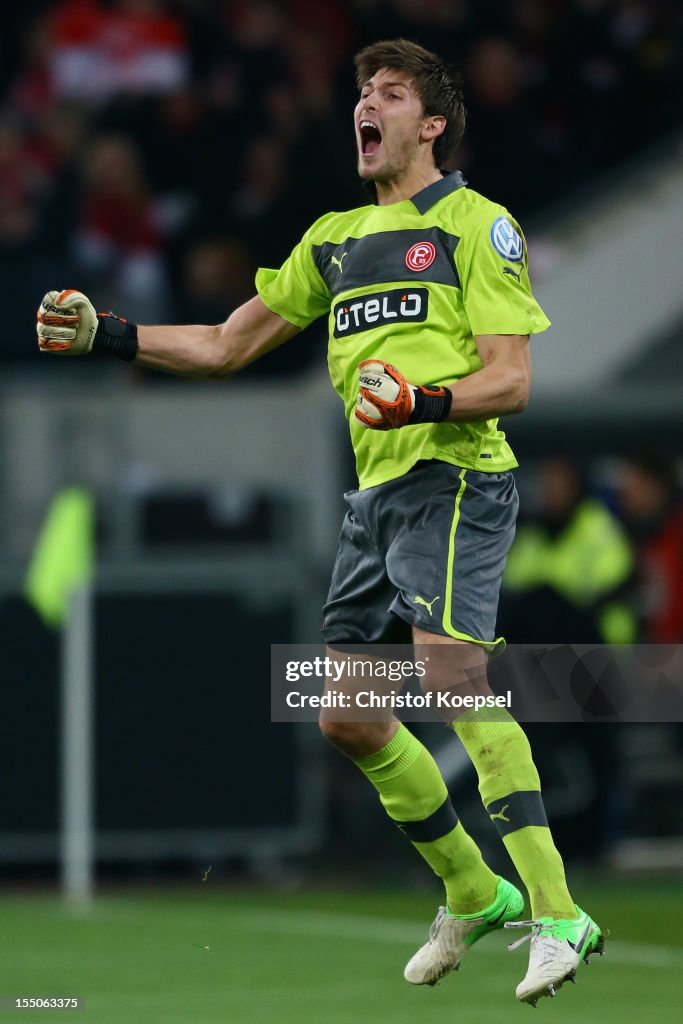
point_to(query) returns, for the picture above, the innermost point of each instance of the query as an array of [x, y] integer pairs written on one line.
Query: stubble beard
[[393, 167]]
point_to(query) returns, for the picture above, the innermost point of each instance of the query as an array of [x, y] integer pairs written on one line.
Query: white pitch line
[[376, 929]]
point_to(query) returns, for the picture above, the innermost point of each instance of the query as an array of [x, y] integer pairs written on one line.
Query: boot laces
[[536, 928], [435, 926]]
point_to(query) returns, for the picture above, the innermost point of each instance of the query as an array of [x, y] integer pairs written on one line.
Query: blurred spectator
[[566, 582], [132, 46], [259, 31], [568, 567], [32, 91], [264, 206], [218, 276], [25, 264], [22, 179], [118, 242], [323, 142], [500, 152], [178, 139], [330, 23], [651, 506]]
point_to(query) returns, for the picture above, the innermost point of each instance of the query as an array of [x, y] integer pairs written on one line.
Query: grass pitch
[[210, 955]]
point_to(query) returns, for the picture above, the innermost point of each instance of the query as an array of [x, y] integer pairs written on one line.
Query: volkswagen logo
[[507, 241]]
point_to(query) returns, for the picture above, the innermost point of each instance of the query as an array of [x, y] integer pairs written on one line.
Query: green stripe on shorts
[[488, 645]]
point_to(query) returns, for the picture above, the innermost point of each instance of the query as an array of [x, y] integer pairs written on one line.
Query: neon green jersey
[[412, 283]]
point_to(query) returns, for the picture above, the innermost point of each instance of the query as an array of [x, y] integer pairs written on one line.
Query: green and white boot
[[451, 935], [557, 949]]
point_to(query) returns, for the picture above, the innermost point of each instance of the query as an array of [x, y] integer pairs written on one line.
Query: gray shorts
[[427, 549]]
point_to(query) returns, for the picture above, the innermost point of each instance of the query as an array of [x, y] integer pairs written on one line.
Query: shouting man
[[430, 312]]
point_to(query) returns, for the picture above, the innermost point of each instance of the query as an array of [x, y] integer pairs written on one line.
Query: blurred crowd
[[153, 153], [598, 556], [598, 559]]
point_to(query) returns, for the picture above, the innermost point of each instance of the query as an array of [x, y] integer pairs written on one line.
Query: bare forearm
[[203, 351], [191, 350], [488, 393], [500, 387]]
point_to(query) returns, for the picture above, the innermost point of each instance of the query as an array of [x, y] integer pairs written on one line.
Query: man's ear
[[433, 127]]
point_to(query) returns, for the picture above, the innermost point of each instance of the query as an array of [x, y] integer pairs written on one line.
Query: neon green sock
[[511, 793], [415, 797]]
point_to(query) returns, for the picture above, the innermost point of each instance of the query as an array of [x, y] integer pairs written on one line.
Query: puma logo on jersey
[[500, 815], [338, 262], [427, 604], [513, 273]]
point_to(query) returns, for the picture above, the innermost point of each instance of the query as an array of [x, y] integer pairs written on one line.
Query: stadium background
[[153, 154]]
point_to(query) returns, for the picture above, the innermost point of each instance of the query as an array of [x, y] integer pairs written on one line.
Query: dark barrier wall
[[183, 732]]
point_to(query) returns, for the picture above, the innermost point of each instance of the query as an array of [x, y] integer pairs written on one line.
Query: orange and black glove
[[386, 400]]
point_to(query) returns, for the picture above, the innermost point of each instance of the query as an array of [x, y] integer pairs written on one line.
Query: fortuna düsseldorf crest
[[420, 256]]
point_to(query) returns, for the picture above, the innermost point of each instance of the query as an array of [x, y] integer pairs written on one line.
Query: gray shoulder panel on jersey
[[429, 196], [384, 258]]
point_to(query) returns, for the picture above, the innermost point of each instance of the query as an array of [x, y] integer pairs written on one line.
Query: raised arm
[[69, 325], [220, 351]]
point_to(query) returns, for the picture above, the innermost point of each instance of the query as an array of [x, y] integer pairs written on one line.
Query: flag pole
[[59, 585], [77, 774]]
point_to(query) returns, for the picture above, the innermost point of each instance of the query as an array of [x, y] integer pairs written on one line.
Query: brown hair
[[437, 85]]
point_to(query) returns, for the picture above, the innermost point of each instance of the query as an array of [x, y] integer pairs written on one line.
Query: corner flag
[[64, 554]]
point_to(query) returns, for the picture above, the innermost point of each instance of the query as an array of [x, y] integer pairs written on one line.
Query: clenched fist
[[386, 400], [67, 323]]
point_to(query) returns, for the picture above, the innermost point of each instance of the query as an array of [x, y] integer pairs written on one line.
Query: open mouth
[[370, 138]]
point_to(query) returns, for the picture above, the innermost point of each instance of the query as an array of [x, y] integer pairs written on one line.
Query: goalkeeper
[[430, 312]]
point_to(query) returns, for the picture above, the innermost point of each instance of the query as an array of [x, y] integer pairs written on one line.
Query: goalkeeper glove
[[386, 399], [69, 325]]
